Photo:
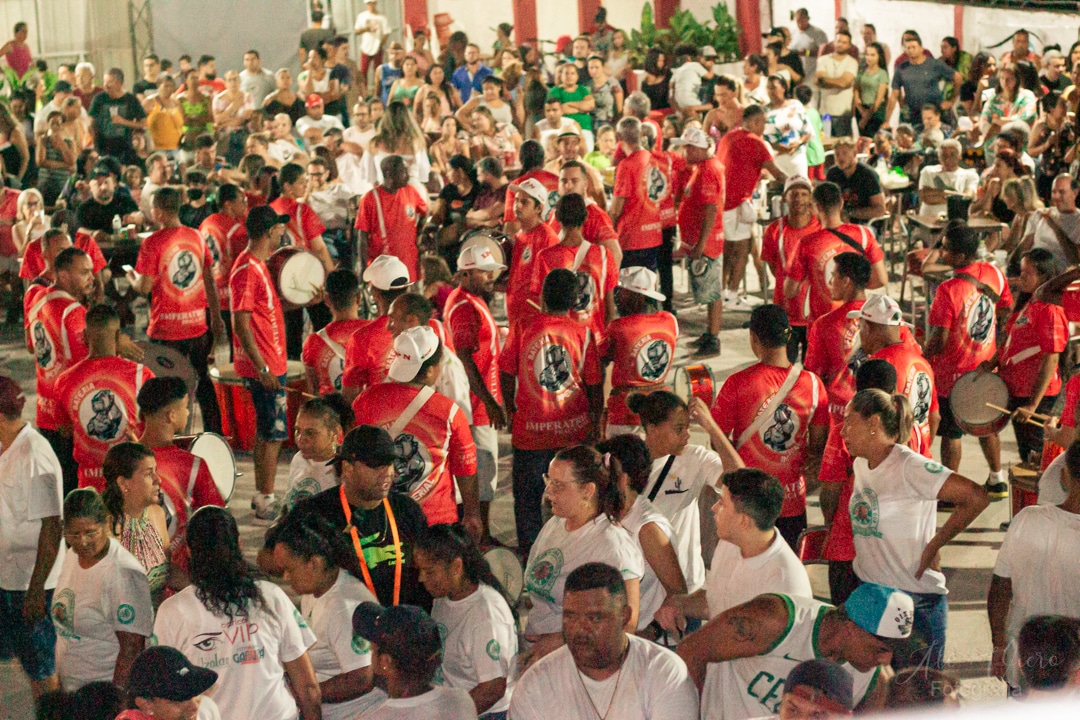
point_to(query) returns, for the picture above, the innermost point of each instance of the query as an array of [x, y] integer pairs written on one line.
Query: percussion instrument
[[810, 547], [166, 362], [1023, 487], [497, 243], [970, 400], [215, 451], [918, 267], [298, 276], [237, 412], [226, 374], [692, 381], [507, 569]]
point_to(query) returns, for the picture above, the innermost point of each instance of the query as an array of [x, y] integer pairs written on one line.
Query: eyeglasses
[[557, 485], [87, 535]]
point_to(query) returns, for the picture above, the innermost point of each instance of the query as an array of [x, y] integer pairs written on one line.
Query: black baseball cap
[[823, 682], [163, 672], [368, 444], [261, 218], [404, 632]]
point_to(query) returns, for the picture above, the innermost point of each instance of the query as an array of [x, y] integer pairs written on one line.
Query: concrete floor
[[967, 561]]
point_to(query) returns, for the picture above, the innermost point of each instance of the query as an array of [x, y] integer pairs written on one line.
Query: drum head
[[166, 362], [225, 374], [691, 381], [302, 277], [506, 568], [971, 394], [482, 237], [216, 453]]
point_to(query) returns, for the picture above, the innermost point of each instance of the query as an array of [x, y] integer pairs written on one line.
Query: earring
[[873, 432]]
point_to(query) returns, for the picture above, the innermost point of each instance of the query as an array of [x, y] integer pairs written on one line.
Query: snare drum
[[214, 450], [237, 412], [692, 381], [166, 362], [506, 568], [969, 400], [298, 276], [1023, 487], [810, 548]]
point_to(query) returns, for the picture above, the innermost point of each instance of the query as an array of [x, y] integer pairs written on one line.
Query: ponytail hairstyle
[[446, 543], [309, 535], [656, 407], [633, 456], [590, 466], [894, 411], [122, 460]]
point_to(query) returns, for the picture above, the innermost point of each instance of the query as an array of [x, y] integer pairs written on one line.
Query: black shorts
[[948, 427]]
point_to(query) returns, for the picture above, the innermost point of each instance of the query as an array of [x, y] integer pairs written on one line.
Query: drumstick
[[1037, 416], [305, 395], [535, 305]]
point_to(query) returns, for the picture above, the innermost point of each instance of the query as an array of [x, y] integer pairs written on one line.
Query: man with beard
[[116, 115], [601, 671], [95, 216], [598, 228], [570, 149]]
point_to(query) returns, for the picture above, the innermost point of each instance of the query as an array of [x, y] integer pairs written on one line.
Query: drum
[[969, 400], [215, 451], [166, 362], [506, 568], [237, 412], [497, 243], [810, 548], [1023, 487], [298, 276], [692, 381]]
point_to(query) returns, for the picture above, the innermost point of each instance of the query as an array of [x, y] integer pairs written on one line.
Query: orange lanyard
[[360, 551]]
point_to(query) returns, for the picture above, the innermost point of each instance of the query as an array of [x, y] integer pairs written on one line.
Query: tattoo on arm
[[742, 627]]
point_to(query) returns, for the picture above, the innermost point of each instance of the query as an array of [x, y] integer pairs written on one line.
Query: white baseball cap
[[387, 272], [708, 51], [534, 189], [478, 257], [641, 280], [880, 309], [693, 136], [412, 348], [797, 181]]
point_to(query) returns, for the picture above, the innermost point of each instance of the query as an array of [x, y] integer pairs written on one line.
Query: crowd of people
[[496, 235]]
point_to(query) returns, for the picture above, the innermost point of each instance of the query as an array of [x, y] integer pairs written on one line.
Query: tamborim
[[692, 381], [298, 276], [166, 362], [506, 568], [214, 450], [492, 241], [969, 400]]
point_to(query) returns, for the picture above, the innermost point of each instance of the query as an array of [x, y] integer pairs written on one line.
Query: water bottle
[[777, 207], [826, 125], [117, 225]]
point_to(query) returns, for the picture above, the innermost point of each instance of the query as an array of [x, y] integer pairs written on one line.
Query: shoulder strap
[[661, 477], [579, 257], [774, 402], [848, 240], [980, 286], [337, 347], [379, 212], [411, 409]]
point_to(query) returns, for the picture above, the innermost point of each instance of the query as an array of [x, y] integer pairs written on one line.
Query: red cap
[[562, 43], [11, 397], [314, 100]]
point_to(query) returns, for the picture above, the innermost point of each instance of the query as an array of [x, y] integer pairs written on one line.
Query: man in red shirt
[[390, 217], [531, 157], [368, 350], [640, 186], [226, 238], [813, 264], [964, 318], [41, 252], [779, 246], [259, 348], [176, 264], [97, 396], [529, 198], [597, 228], [324, 351], [744, 154], [702, 231], [553, 387], [673, 166], [777, 416]]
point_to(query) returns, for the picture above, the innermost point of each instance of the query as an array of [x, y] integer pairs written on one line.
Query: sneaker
[[696, 342], [738, 304], [709, 347], [997, 490], [266, 507], [728, 297]]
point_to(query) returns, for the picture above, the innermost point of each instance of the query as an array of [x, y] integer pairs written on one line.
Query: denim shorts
[[34, 645], [271, 421]]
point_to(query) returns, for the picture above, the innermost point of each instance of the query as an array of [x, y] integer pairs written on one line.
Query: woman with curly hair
[[244, 628]]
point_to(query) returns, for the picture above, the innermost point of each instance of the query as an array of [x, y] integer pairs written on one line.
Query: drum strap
[[848, 240], [980, 286], [379, 212], [345, 508], [661, 477], [337, 347], [1023, 355], [579, 257], [774, 402], [411, 409]]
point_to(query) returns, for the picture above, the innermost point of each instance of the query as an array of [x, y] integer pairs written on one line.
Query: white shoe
[[728, 297], [739, 304], [266, 507]]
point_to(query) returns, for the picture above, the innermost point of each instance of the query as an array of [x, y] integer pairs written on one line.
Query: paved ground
[[967, 561]]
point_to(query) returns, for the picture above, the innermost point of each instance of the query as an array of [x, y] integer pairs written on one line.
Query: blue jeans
[[34, 645], [527, 472], [931, 617]]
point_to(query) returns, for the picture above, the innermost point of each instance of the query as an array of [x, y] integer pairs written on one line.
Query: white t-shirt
[[454, 383], [547, 134], [90, 606], [1039, 555], [893, 512], [686, 81], [258, 85], [354, 134], [557, 552], [441, 703], [248, 653], [350, 173], [654, 685], [284, 151], [837, 101], [336, 650], [322, 124], [1045, 237], [31, 483], [962, 180], [479, 642], [308, 478], [677, 500], [208, 709], [1051, 491], [653, 593], [371, 42]]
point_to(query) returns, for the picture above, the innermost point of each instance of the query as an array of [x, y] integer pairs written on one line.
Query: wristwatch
[[264, 369]]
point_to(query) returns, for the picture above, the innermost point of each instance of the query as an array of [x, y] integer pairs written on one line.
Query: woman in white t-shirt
[[246, 629], [321, 565], [318, 432], [655, 537], [893, 510], [477, 626], [101, 607], [586, 504]]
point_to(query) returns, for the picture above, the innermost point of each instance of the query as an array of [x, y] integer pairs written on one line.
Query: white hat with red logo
[[532, 188], [881, 310], [412, 348], [387, 272], [641, 280], [478, 257]]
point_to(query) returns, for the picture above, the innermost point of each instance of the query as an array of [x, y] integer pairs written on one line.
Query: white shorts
[[486, 438], [735, 228]]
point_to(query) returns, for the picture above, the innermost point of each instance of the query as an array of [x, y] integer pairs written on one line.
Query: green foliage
[[722, 32]]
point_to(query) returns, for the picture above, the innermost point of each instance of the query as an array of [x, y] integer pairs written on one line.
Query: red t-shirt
[[55, 322], [549, 180], [596, 275], [436, 444], [471, 327], [367, 354], [597, 227], [33, 263], [705, 187], [1072, 395], [225, 237], [665, 162], [9, 200], [642, 348], [915, 381], [641, 182], [175, 257], [251, 290], [97, 396], [527, 245], [743, 155], [779, 446], [779, 246], [186, 483], [829, 345], [393, 230], [1039, 329], [304, 225], [553, 359], [814, 263], [324, 352]]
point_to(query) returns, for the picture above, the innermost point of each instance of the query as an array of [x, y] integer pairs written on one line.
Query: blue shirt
[[388, 75], [461, 81]]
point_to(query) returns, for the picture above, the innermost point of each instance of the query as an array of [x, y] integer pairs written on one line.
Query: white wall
[[983, 27]]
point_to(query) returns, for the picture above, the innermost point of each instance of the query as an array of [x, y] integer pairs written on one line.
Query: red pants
[[367, 61]]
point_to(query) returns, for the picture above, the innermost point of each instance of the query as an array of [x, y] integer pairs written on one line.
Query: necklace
[[614, 693]]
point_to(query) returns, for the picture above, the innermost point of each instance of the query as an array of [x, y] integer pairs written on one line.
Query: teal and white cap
[[881, 610]]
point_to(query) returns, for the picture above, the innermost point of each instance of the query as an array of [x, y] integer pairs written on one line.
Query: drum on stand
[[1023, 487], [237, 412], [970, 401], [507, 569], [298, 275], [215, 451], [692, 381]]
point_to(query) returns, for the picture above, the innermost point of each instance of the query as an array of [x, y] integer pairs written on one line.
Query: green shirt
[[580, 93], [815, 151], [869, 84]]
